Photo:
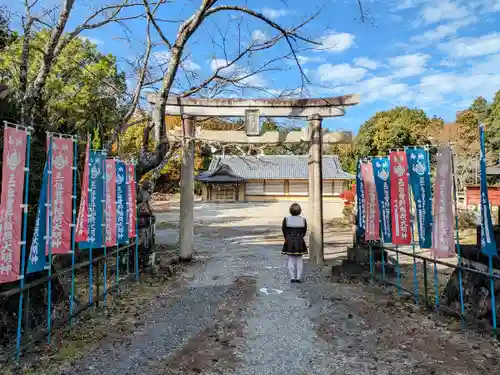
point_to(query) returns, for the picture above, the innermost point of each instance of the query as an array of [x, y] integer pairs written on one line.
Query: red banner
[[400, 199], [372, 214], [131, 201], [110, 203], [14, 159], [62, 191], [82, 224]]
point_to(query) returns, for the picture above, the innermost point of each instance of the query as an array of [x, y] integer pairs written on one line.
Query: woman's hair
[[295, 209]]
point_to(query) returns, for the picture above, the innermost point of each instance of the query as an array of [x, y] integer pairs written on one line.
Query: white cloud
[[95, 41], [221, 63], [336, 42], [190, 65], [437, 88], [365, 62], [259, 36], [443, 31], [274, 13], [164, 56], [443, 10], [308, 59], [489, 65], [339, 74], [237, 72], [473, 47], [407, 4], [409, 65]]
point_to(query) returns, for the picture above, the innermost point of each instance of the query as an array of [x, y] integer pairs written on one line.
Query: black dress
[[294, 229]]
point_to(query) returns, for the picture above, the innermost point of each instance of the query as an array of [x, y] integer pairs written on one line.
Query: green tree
[[7, 36], [493, 125], [346, 154], [83, 89], [395, 128], [480, 108], [467, 128]]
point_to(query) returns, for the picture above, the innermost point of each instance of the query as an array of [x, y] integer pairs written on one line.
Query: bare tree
[[56, 20], [227, 73]]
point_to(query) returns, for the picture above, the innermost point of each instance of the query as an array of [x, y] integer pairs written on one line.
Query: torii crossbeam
[[314, 109]]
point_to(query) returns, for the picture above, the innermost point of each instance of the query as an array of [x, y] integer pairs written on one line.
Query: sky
[[437, 55]]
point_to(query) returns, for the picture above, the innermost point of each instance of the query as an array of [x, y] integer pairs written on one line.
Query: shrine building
[[269, 178]]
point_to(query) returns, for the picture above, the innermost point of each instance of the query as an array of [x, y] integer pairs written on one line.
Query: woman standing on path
[[294, 229]]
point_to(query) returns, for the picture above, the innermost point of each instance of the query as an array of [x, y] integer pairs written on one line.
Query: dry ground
[[235, 312]]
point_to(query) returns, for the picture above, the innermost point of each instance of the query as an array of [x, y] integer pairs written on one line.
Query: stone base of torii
[[314, 110]]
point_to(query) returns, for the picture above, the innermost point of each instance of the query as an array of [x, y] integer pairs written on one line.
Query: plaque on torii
[[314, 110]]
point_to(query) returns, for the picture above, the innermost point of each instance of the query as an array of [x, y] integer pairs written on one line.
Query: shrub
[[467, 219]]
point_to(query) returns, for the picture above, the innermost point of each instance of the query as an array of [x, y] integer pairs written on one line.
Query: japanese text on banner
[[382, 180], [488, 243], [11, 212], [121, 203], [110, 203], [443, 244], [420, 181], [401, 225], [360, 198], [36, 260], [131, 200], [62, 191], [372, 215], [96, 202], [82, 230]]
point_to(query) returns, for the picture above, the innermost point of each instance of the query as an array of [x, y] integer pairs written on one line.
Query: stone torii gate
[[252, 109]]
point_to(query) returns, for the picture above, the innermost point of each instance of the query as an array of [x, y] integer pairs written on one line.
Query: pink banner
[[82, 224], [443, 243], [110, 203], [131, 200], [62, 191], [372, 214], [14, 159], [400, 198]]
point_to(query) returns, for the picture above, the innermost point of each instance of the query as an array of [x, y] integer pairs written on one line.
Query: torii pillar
[[315, 164], [252, 109]]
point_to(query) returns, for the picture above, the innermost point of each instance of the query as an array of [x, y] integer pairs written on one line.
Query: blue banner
[[121, 203], [382, 184], [360, 198], [96, 201], [37, 261], [420, 182], [488, 243]]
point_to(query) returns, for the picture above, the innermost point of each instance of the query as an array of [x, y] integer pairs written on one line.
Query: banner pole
[[371, 261], [104, 231], [398, 272], [73, 231], [415, 280], [459, 254], [492, 292], [136, 228], [91, 243], [436, 276], [382, 248], [23, 246], [49, 239]]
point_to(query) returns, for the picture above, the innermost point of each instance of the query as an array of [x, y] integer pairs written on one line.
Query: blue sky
[[432, 54]]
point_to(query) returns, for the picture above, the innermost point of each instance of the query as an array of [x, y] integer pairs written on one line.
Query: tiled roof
[[278, 167]]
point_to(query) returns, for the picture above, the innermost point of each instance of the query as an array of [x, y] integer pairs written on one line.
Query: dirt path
[[237, 313]]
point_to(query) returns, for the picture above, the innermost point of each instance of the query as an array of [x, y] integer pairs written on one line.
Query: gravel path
[[237, 313]]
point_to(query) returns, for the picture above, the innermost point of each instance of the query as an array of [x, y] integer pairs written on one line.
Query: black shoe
[[298, 281], [293, 280]]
